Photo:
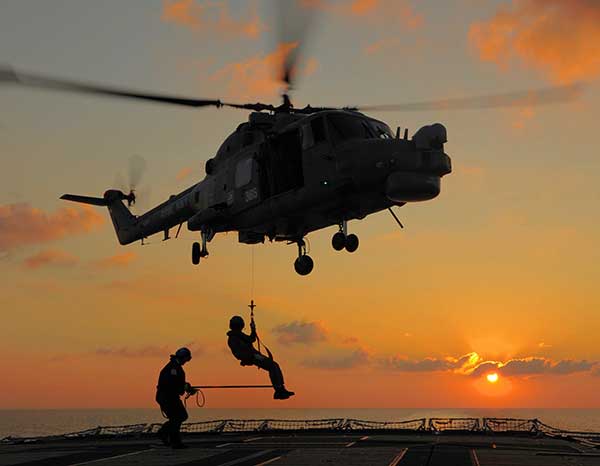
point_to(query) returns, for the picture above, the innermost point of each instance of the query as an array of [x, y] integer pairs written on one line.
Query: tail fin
[[123, 220]]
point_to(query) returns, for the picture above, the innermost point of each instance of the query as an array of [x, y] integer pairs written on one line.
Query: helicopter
[[286, 172]]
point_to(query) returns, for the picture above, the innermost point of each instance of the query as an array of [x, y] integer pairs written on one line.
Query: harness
[[259, 343]]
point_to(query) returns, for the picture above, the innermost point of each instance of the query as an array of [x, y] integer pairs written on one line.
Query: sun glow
[[492, 378]]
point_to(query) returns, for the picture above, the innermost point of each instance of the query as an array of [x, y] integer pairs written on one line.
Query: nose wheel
[[342, 240], [304, 263]]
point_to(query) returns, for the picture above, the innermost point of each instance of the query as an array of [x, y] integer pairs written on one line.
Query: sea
[[40, 422]]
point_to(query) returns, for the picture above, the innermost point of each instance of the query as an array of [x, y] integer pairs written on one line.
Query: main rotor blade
[[295, 20], [8, 75], [546, 96]]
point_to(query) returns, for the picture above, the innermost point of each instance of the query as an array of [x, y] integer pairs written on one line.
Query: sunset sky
[[499, 274]]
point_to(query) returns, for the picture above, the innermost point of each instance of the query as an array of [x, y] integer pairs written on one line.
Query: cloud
[[301, 332], [522, 117], [381, 44], [472, 364], [21, 224], [397, 12], [419, 365], [126, 352], [214, 17], [118, 260], [462, 365], [534, 366], [184, 173], [350, 341], [51, 257], [149, 351], [344, 359], [559, 38], [258, 76]]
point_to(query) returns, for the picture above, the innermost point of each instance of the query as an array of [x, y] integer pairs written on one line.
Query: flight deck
[[448, 444]]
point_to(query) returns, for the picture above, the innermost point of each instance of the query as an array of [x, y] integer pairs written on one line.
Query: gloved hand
[[189, 389], [252, 325]]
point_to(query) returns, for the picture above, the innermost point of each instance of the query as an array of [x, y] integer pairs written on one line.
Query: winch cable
[[252, 305], [259, 343]]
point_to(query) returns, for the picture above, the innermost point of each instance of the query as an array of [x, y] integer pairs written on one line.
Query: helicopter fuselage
[[283, 176]]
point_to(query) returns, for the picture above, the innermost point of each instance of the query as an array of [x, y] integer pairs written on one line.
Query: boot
[[163, 435], [281, 393]]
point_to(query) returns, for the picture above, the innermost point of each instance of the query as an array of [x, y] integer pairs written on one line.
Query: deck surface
[[308, 449]]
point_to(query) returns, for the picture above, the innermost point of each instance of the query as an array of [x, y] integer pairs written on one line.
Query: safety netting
[[257, 425], [510, 425], [433, 425], [463, 424], [409, 425]]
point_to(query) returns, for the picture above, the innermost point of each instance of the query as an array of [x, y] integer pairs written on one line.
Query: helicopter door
[[283, 164], [246, 182], [319, 164]]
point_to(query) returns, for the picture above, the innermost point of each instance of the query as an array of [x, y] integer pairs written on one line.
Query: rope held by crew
[[192, 390]]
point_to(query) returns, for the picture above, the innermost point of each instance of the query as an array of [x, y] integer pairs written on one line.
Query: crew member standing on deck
[[171, 385]]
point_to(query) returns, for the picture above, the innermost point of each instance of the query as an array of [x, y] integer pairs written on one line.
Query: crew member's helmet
[[183, 354], [236, 323]]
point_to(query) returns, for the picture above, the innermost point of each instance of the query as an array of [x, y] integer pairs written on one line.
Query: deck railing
[[486, 425]]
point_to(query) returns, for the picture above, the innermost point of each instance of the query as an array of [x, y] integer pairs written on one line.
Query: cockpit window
[[346, 127], [381, 130], [243, 172]]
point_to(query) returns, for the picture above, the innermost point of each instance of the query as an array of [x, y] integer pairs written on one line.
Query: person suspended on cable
[[242, 347], [171, 385]]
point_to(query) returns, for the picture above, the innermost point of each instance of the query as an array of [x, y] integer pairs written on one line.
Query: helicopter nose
[[401, 187]]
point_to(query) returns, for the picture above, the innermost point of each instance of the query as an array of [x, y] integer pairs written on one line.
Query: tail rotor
[[136, 169]]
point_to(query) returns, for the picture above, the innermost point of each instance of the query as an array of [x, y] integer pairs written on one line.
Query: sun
[[492, 378]]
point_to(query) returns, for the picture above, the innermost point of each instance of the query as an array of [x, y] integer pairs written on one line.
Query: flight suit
[[240, 345], [171, 385]]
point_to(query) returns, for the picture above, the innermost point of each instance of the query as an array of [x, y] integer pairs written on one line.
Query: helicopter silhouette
[[287, 171]]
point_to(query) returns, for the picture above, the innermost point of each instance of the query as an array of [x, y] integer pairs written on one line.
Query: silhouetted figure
[[241, 345], [171, 385]]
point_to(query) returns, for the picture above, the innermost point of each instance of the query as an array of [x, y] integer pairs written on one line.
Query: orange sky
[[497, 274]]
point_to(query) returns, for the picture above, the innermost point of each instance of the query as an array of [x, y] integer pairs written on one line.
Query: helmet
[[236, 323], [183, 354]]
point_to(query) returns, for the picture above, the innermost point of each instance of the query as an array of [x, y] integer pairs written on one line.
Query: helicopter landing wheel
[[196, 253], [351, 243], [338, 241], [304, 265]]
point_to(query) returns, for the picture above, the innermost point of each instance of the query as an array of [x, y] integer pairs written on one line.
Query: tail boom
[[124, 221]]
